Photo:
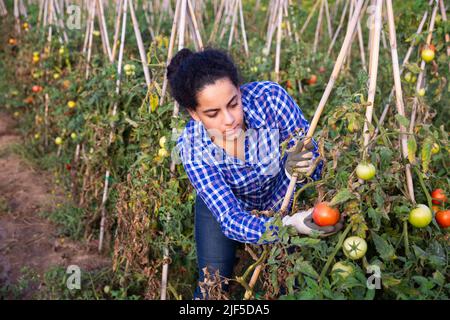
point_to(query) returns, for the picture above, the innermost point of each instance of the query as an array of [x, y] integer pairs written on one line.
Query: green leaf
[[384, 248], [426, 153], [375, 217], [438, 278], [306, 268], [412, 148], [389, 281], [402, 120], [420, 253], [341, 197], [302, 241]]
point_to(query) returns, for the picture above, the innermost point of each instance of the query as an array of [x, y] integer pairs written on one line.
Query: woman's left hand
[[300, 158]]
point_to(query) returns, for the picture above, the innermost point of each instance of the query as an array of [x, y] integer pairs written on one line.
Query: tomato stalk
[[336, 249], [422, 184], [383, 134], [242, 279], [406, 239], [303, 188]]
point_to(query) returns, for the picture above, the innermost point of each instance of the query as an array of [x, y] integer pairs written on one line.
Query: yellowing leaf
[[154, 101], [426, 154], [412, 148]]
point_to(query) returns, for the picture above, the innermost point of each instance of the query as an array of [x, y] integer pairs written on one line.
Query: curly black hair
[[190, 72]]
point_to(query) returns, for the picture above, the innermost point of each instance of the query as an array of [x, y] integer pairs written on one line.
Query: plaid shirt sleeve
[[235, 223], [289, 118]]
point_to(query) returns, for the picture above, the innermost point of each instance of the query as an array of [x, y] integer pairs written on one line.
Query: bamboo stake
[[349, 54], [117, 28], [50, 22], [336, 9], [194, 22], [170, 49], [91, 33], [399, 95], [288, 33], [59, 18], [278, 49], [327, 15], [3, 10], [373, 71], [228, 16], [45, 14], [317, 114], [16, 15], [447, 36], [111, 134], [23, 9], [271, 27], [308, 19], [46, 120], [88, 29], [338, 30], [103, 29], [244, 35], [318, 27], [41, 12], [233, 22], [217, 21], [148, 20], [361, 46], [405, 61], [140, 44]]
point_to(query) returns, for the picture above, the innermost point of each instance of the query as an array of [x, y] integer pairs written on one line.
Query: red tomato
[[36, 88], [324, 215], [439, 196], [322, 69], [443, 218], [312, 79], [288, 84]]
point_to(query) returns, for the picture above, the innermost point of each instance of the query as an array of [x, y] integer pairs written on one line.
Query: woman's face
[[220, 109]]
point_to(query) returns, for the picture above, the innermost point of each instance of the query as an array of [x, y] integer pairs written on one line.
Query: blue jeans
[[214, 250]]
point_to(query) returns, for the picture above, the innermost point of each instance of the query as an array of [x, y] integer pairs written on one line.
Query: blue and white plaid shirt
[[230, 187]]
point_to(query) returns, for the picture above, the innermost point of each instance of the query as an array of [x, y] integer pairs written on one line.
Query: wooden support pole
[[399, 95]]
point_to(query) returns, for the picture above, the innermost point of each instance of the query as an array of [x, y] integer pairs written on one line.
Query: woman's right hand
[[302, 221]]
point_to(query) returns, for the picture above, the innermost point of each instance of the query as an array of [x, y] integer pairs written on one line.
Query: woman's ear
[[193, 114]]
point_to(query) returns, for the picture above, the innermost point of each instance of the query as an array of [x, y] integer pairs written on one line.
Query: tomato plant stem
[[406, 239], [336, 249], [422, 184]]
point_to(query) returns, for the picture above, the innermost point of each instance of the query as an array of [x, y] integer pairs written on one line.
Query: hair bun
[[177, 60]]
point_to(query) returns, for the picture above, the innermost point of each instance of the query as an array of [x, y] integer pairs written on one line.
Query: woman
[[230, 150]]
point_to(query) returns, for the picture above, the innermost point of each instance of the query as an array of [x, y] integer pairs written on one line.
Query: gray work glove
[[300, 158], [302, 221]]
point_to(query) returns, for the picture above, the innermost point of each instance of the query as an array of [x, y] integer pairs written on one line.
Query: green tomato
[[420, 216], [421, 92], [408, 76], [73, 135], [354, 247], [435, 149], [365, 171], [427, 55], [59, 141], [341, 269], [162, 141]]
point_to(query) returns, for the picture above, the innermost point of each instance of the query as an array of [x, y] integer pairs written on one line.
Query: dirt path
[[26, 239]]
